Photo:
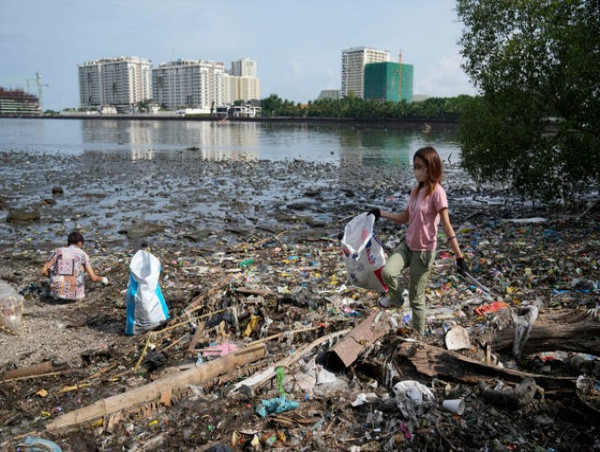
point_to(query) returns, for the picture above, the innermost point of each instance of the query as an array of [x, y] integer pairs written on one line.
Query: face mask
[[420, 174]]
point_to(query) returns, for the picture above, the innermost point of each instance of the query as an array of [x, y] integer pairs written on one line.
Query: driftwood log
[[251, 291], [152, 391], [510, 398], [436, 362], [572, 331], [33, 370]]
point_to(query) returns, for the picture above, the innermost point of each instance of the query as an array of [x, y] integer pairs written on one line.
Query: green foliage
[[144, 105], [271, 105], [352, 107], [536, 126]]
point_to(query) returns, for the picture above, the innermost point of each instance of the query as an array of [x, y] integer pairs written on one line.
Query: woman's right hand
[[376, 213]]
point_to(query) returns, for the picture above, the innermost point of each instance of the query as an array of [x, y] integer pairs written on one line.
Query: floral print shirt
[[67, 271]]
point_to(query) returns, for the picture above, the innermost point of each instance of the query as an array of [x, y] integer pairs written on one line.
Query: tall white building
[[243, 68], [353, 68], [122, 81], [231, 89], [249, 88], [241, 83], [240, 88], [189, 84]]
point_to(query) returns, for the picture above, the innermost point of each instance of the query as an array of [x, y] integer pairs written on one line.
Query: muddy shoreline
[[261, 238]]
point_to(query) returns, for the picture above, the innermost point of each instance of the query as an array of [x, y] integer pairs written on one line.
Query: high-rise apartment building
[[240, 88], [385, 82], [243, 68], [249, 88], [353, 64], [241, 83], [189, 84], [122, 81], [231, 89]]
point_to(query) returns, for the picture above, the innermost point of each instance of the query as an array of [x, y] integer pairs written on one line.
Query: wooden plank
[[375, 326], [266, 374], [191, 350]]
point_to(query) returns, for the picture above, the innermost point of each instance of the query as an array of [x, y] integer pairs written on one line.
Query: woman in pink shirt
[[427, 206]]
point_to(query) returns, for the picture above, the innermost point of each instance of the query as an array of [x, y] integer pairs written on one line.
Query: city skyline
[[297, 46]]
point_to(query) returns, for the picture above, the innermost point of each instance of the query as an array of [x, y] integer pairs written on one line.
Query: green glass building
[[382, 80]]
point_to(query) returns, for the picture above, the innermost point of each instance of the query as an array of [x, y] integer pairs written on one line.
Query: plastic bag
[[363, 253], [11, 309], [413, 390], [146, 306], [275, 406]]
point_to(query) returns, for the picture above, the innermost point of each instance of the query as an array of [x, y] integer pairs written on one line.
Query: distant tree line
[[435, 108]]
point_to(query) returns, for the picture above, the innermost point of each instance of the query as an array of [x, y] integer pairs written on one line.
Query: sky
[[297, 44]]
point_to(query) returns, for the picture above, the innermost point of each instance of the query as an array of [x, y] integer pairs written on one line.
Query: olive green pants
[[420, 264]]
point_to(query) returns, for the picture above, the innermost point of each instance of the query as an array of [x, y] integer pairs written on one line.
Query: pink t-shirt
[[424, 218], [67, 272]]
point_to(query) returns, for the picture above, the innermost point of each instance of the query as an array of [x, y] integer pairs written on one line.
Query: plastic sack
[[11, 309], [146, 306], [363, 253]]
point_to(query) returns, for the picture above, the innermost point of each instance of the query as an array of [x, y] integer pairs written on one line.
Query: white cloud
[[446, 79]]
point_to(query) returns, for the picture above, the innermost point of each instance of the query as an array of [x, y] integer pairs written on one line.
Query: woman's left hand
[[461, 266]]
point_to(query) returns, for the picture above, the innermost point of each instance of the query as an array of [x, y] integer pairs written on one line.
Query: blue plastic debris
[[44, 445], [275, 406]]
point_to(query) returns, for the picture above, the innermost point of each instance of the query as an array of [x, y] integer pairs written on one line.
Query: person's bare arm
[[449, 231], [93, 276], [47, 266], [400, 218]]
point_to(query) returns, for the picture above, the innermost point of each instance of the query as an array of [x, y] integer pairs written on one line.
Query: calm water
[[216, 141]]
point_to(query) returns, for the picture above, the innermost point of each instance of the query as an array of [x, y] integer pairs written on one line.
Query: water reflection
[[202, 140], [147, 139], [377, 147]]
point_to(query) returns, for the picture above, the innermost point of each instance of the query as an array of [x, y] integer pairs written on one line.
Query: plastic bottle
[[246, 262], [11, 309]]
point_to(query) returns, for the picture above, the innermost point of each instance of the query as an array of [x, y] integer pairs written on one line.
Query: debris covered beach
[[269, 347]]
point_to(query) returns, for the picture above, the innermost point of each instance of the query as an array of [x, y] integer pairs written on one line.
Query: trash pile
[[270, 347]]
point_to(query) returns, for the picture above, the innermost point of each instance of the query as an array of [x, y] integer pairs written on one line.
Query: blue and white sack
[[146, 306], [363, 254]]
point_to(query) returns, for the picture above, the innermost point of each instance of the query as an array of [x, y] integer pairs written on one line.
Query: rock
[[143, 230], [23, 215]]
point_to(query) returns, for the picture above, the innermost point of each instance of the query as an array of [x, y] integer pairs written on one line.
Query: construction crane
[[40, 86]]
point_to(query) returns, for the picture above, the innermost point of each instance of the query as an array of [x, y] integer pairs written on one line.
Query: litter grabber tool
[[475, 282]]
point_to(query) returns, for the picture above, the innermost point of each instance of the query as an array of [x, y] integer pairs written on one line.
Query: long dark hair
[[432, 161]]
